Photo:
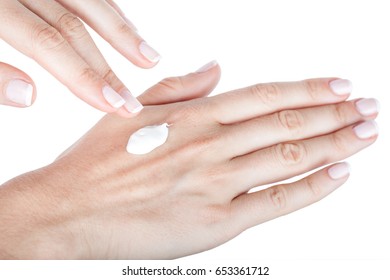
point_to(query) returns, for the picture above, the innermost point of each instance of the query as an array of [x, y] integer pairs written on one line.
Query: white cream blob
[[147, 139]]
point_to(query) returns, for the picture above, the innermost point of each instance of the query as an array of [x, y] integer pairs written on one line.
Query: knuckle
[[277, 196], [339, 142], [172, 84], [195, 148], [87, 74], [71, 26], [122, 28], [48, 38], [200, 145], [186, 113], [110, 77], [215, 214], [215, 176], [267, 93], [339, 113], [313, 187], [290, 153], [291, 120], [313, 88]]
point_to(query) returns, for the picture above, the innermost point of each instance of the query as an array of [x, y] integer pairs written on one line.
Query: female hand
[[191, 193], [53, 34]]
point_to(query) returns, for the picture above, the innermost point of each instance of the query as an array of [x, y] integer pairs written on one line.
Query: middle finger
[[289, 125], [75, 33]]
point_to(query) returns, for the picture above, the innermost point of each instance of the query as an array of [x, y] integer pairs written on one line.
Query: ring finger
[[286, 160]]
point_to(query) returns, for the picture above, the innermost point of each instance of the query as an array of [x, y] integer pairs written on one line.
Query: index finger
[[263, 99], [42, 42]]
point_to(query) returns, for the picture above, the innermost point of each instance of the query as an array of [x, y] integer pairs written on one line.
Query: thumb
[[16, 87], [175, 89]]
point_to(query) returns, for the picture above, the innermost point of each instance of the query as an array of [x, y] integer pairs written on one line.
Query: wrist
[[32, 224]]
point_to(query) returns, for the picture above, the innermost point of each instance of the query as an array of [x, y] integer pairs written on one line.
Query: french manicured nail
[[341, 86], [20, 92], [366, 130], [148, 52], [132, 104], [339, 170], [113, 97], [207, 67], [367, 106]]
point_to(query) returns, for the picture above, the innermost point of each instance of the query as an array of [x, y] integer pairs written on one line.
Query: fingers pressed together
[[270, 132], [53, 34]]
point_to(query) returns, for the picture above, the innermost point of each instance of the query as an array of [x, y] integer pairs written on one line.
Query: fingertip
[[341, 87], [17, 89], [143, 55], [210, 69], [208, 66], [339, 171], [19, 93]]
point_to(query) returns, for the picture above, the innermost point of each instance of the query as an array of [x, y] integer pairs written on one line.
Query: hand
[[52, 33], [190, 194]]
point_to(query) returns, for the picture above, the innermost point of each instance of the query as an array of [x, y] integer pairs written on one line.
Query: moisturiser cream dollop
[[147, 139]]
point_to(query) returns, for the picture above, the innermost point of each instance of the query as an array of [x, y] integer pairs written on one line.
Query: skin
[[96, 201], [53, 34]]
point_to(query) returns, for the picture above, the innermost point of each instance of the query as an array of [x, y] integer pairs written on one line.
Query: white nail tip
[[148, 52], [132, 104], [341, 86], [366, 130], [20, 92], [339, 170], [207, 67], [112, 97]]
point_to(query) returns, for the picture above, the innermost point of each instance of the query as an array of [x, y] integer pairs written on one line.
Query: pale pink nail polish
[[112, 97], [367, 106], [207, 67], [148, 52], [132, 104], [341, 86], [339, 170], [366, 129], [19, 92]]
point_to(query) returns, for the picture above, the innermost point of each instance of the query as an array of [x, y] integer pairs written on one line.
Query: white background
[[253, 41]]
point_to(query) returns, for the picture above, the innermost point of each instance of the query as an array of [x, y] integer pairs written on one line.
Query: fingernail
[[367, 106], [366, 130], [339, 170], [148, 52], [131, 24], [132, 104], [207, 67], [341, 86], [20, 92], [113, 97]]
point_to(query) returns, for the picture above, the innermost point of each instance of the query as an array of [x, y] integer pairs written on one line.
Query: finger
[[258, 207], [289, 159], [122, 14], [262, 99], [42, 42], [298, 124], [106, 21], [175, 89], [193, 85], [75, 33], [16, 87]]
